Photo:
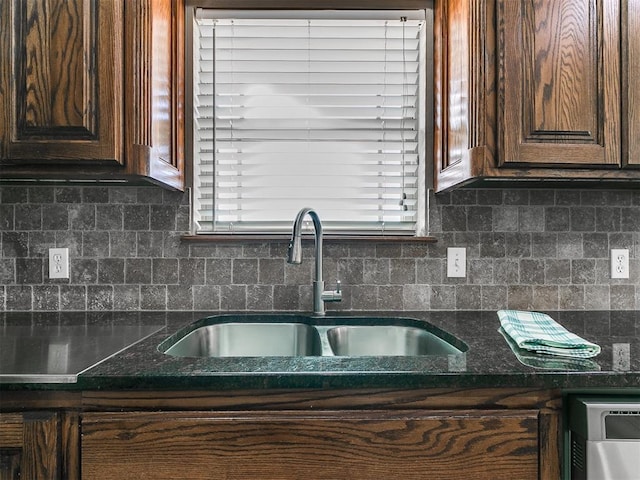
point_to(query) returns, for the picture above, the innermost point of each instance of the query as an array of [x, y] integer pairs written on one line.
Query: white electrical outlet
[[58, 263], [619, 263], [456, 262]]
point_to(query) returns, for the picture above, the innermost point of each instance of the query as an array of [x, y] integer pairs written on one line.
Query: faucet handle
[[333, 295]]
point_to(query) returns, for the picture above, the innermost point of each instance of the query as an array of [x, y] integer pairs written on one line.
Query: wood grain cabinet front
[[39, 445], [313, 445], [92, 90], [543, 90]]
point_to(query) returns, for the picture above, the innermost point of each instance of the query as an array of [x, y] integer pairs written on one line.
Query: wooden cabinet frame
[[115, 422], [94, 91], [40, 435], [503, 117], [152, 421]]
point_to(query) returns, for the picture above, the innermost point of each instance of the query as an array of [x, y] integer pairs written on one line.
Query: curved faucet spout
[[295, 245], [294, 255]]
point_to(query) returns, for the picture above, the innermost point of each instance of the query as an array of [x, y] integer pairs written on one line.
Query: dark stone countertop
[[489, 361]]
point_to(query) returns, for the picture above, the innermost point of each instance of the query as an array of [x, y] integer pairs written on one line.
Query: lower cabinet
[[328, 444], [310, 434], [38, 445]]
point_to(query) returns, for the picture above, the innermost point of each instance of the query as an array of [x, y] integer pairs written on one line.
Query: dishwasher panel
[[604, 435]]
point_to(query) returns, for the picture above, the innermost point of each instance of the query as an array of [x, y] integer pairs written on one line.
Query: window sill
[[231, 238]]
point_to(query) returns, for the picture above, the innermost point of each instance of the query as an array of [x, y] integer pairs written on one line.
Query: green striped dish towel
[[540, 333]]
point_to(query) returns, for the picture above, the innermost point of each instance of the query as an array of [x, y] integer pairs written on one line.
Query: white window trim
[[426, 104]]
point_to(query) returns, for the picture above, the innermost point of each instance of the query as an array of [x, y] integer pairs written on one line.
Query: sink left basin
[[245, 339]]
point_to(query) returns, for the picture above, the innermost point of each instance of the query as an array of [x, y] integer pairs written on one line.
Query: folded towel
[[549, 362], [539, 333]]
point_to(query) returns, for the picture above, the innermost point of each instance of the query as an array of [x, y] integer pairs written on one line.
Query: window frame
[[427, 5]]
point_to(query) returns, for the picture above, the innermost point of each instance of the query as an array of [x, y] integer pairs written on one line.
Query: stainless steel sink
[[290, 335], [248, 340], [389, 340]]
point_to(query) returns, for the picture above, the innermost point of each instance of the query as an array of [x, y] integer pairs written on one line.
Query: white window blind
[[308, 111]]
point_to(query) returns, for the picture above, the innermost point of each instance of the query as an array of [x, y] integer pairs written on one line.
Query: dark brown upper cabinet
[[537, 90], [92, 90], [631, 81]]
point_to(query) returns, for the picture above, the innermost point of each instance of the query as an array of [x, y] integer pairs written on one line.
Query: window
[[318, 109]]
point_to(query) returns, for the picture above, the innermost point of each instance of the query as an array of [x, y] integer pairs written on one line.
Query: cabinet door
[[29, 446], [559, 82], [631, 68], [311, 445], [61, 81]]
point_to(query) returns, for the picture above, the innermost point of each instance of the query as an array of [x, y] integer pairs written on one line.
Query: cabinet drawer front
[[315, 445]]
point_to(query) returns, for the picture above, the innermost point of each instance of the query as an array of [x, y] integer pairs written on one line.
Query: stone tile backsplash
[[531, 249]]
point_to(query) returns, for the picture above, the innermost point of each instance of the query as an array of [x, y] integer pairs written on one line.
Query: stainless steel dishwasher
[[604, 438]]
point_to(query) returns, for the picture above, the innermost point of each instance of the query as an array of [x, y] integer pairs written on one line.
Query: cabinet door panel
[[458, 84], [559, 72], [40, 446], [314, 445], [10, 445], [63, 94], [154, 112], [562, 82], [465, 98], [56, 87], [9, 464]]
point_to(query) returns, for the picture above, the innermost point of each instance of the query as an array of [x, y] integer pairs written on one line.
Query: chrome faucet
[[294, 256]]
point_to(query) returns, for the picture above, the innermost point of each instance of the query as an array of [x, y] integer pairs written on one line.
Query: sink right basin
[[389, 340]]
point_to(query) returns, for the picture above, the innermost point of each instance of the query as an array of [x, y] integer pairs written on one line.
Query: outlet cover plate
[[619, 263], [58, 263], [456, 262]]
